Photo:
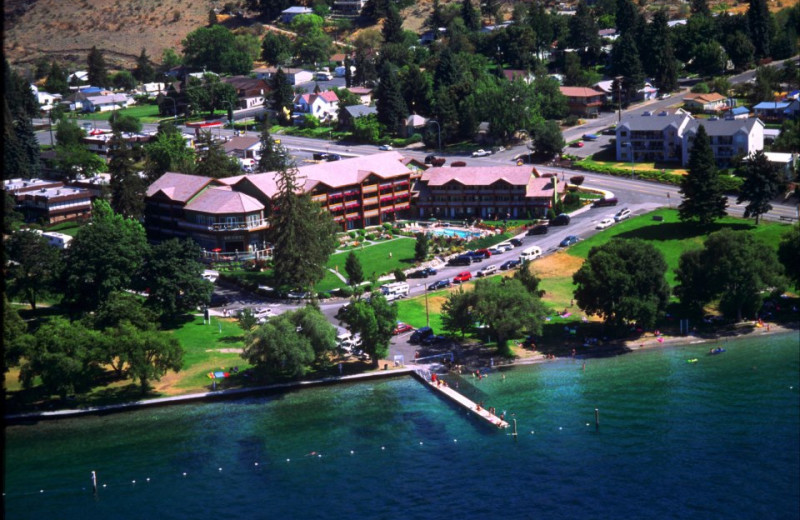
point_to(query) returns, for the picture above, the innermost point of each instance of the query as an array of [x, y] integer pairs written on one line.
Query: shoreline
[[648, 341]]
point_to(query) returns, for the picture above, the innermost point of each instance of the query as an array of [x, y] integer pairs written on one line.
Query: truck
[[395, 290]]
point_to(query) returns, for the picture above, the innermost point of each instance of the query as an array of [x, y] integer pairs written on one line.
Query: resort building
[[486, 192], [232, 214], [730, 138], [49, 202]]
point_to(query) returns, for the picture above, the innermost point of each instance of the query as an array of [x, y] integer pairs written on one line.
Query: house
[[232, 214], [151, 89], [785, 162], [293, 76], [738, 113], [606, 87], [79, 76], [323, 106], [349, 7], [48, 202], [213, 214], [486, 192], [46, 100], [287, 15], [107, 103], [514, 74], [583, 101], [647, 92], [649, 137], [243, 147], [609, 34], [777, 111], [414, 124], [364, 93], [99, 141], [250, 91], [730, 138], [74, 101], [706, 103], [351, 113]]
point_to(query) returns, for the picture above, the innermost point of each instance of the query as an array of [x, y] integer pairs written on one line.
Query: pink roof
[[223, 200], [488, 175], [179, 187], [360, 91], [328, 96], [580, 92]]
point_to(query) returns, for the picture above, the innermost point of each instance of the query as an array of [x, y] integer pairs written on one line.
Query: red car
[[462, 277], [401, 328], [578, 144], [485, 252]]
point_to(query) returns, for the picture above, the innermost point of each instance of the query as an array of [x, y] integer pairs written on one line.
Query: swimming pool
[[460, 233]]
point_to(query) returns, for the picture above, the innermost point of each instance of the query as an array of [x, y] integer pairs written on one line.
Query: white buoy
[[133, 482], [287, 460], [184, 473], [319, 456], [455, 440], [560, 428], [148, 479], [41, 491], [383, 447], [104, 485], [351, 452], [256, 463], [420, 443]]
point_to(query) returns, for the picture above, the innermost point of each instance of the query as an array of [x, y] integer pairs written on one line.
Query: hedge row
[[730, 184]]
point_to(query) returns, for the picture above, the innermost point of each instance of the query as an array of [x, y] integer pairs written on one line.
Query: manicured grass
[[375, 258], [329, 282], [145, 113], [67, 228], [412, 311]]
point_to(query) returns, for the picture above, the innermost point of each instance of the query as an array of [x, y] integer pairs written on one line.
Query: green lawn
[[67, 228], [412, 311], [375, 258], [145, 113]]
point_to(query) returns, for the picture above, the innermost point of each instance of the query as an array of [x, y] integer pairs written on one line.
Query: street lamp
[[439, 129]]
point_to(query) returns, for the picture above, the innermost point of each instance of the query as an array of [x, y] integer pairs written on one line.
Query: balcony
[[370, 201], [320, 198], [372, 188], [226, 226]]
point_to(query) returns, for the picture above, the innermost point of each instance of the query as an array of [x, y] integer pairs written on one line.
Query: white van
[[248, 165], [323, 75], [395, 290], [531, 253]]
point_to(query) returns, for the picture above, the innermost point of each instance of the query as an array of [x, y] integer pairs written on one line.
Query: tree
[[56, 82], [169, 59], [540, 21], [739, 49], [96, 68], [311, 45], [125, 123], [392, 110], [247, 319], [583, 33], [282, 98], [762, 182], [367, 129], [18, 95], [212, 161], [703, 198], [276, 49], [12, 219], [623, 281], [21, 150], [77, 162], [61, 357], [661, 64], [789, 252], [167, 153], [627, 18], [123, 80], [273, 156], [709, 59], [215, 48], [547, 139], [789, 138], [118, 307], [173, 273], [392, 26], [734, 267], [127, 188], [149, 353], [436, 19], [507, 309], [700, 7], [625, 56], [16, 339], [211, 93], [33, 267], [471, 16], [375, 321], [528, 279], [446, 72], [759, 23], [352, 266], [144, 71], [303, 234], [275, 348], [320, 332], [457, 312], [103, 257], [421, 247]]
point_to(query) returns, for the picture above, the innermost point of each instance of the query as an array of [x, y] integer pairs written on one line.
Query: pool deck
[[462, 401]]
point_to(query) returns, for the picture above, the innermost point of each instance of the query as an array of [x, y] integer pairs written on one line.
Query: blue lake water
[[719, 438]]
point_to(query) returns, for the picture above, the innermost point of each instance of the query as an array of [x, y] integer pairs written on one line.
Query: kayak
[[718, 350], [693, 360]]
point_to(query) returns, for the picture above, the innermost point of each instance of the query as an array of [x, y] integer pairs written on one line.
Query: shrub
[[370, 236], [345, 292], [577, 180], [571, 198], [700, 88], [352, 234], [387, 226], [571, 121], [399, 275]]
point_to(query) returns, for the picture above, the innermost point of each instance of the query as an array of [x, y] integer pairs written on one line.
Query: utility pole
[[618, 81]]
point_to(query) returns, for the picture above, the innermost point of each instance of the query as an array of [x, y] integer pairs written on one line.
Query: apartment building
[[49, 202]]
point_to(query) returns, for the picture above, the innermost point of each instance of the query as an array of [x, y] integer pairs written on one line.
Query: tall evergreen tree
[[144, 71], [436, 19], [96, 68], [417, 90], [583, 33], [539, 20], [762, 183], [303, 234], [625, 56], [282, 98], [355, 273], [212, 161], [56, 82], [759, 22], [661, 63], [127, 188], [392, 26], [392, 110], [446, 72], [470, 15], [700, 7], [628, 18], [703, 198], [273, 156]]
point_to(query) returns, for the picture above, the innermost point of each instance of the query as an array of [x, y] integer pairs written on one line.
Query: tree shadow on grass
[[678, 231], [231, 339], [176, 322]]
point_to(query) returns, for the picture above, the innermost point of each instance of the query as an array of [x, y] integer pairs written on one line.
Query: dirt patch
[[557, 265], [225, 350]]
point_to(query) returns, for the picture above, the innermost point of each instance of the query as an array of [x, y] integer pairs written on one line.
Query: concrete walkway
[[462, 401]]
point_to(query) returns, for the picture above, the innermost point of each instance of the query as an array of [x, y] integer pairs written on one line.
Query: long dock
[[462, 401]]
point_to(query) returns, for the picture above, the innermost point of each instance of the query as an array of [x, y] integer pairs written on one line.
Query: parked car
[[541, 229], [461, 260], [401, 327], [429, 159], [561, 220], [334, 157], [486, 271], [433, 339], [590, 137], [517, 242], [611, 130], [420, 334], [476, 257], [423, 273], [481, 153], [385, 147], [505, 246], [509, 264], [606, 222], [319, 156], [486, 252], [496, 250], [342, 310], [462, 277], [438, 161], [611, 201], [441, 284], [622, 214], [665, 95], [570, 240], [577, 144]]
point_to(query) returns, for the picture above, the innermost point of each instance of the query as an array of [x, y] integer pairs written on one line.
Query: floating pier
[[462, 401]]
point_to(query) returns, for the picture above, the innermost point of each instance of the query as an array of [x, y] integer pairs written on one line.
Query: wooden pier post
[[596, 419], [94, 481], [515, 429]]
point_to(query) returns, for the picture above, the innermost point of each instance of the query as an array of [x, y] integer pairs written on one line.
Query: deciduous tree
[[167, 153], [212, 161], [789, 253], [703, 198], [173, 273], [458, 312], [33, 268], [312, 324], [276, 349], [507, 309], [375, 321], [762, 183], [312, 45], [276, 49]]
